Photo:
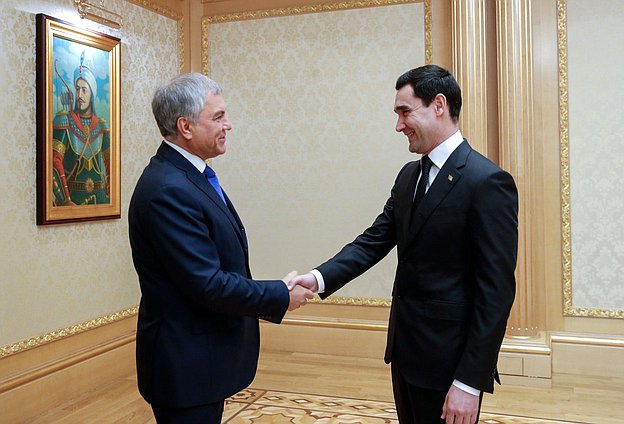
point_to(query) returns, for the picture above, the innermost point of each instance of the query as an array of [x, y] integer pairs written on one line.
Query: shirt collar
[[196, 161], [441, 153]]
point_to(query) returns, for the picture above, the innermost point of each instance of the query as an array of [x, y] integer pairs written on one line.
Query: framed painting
[[78, 123]]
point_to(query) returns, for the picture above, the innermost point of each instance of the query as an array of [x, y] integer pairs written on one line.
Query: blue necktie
[[214, 182]]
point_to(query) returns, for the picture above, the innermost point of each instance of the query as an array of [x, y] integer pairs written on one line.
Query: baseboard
[[34, 380], [594, 355], [38, 379], [526, 361], [341, 330], [360, 331]]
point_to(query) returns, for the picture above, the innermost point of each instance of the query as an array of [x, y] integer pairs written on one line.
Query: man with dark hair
[[453, 216], [197, 335]]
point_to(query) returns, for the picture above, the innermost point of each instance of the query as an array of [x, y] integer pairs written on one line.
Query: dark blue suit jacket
[[454, 283], [197, 334]]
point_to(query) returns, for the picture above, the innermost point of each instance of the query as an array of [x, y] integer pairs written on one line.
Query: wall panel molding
[[43, 339], [300, 10], [569, 308], [37, 379]]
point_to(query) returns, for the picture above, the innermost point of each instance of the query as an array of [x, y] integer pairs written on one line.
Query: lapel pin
[[450, 177]]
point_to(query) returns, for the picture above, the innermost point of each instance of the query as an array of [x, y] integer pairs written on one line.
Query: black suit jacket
[[454, 283], [197, 334]]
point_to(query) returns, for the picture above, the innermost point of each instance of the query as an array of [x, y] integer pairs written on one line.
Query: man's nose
[[400, 126]]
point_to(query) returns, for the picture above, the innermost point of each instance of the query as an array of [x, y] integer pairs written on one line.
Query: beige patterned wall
[[313, 153], [596, 123], [56, 276]]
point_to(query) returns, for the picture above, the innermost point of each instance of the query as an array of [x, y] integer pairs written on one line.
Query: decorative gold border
[[349, 325], [353, 301], [568, 308], [66, 332], [161, 10], [290, 11], [428, 33], [37, 341]]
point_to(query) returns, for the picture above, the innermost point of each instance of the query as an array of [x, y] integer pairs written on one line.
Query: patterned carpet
[[270, 406]]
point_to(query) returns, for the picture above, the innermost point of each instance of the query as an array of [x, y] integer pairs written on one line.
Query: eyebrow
[[401, 108]]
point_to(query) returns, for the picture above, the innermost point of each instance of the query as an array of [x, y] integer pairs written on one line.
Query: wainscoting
[[333, 352]]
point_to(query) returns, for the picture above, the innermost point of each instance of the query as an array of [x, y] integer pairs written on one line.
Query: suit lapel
[[406, 200], [199, 180], [234, 214], [444, 182]]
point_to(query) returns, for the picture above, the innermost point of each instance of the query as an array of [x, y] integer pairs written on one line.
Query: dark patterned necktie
[[425, 164]]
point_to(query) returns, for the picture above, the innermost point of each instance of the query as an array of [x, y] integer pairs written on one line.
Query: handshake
[[300, 288]]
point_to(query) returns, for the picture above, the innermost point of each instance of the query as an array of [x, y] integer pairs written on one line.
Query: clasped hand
[[300, 288]]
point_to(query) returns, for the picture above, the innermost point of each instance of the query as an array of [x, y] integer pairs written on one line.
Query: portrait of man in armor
[[78, 123], [80, 136]]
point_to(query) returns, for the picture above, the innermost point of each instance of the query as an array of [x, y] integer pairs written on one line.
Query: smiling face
[[417, 121], [206, 137]]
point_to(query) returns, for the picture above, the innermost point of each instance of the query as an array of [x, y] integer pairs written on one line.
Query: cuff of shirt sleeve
[[319, 280], [466, 388]]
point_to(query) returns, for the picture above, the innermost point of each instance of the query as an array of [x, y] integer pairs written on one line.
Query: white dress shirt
[[439, 156], [197, 162]]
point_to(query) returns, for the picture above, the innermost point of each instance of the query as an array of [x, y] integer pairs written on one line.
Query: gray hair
[[185, 96]]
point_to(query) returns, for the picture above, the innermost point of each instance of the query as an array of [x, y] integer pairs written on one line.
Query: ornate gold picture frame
[[78, 123]]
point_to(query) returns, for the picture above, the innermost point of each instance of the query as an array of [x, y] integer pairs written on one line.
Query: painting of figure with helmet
[[78, 123], [81, 134]]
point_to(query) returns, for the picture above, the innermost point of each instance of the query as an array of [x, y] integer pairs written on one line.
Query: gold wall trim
[[353, 301], [172, 14], [568, 308], [66, 332], [587, 340], [351, 325], [205, 45], [428, 33], [161, 10], [290, 11]]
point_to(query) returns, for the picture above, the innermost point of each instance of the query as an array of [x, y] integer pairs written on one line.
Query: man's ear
[[184, 127], [439, 104]]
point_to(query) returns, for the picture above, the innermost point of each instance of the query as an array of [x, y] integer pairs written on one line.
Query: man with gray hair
[[197, 334]]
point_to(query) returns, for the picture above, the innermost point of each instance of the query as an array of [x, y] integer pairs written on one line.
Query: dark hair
[[430, 80]]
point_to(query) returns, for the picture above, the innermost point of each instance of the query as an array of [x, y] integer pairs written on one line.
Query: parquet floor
[[306, 389]]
